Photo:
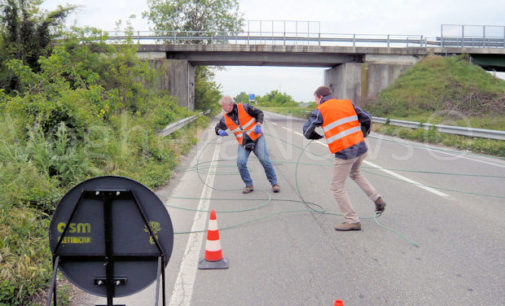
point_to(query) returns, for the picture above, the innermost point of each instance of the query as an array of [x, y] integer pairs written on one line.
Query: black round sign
[[107, 223]]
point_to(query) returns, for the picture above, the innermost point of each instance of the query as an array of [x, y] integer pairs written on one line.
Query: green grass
[[439, 85], [445, 90]]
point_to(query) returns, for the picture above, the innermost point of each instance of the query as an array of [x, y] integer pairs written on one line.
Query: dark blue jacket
[[316, 119]]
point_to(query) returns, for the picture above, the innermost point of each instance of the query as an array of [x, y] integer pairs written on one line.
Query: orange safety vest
[[340, 124], [247, 124]]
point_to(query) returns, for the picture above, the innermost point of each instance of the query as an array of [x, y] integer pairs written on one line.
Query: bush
[[276, 98], [66, 124], [24, 254]]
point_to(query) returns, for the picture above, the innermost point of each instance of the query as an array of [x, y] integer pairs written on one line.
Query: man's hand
[[222, 133], [257, 129]]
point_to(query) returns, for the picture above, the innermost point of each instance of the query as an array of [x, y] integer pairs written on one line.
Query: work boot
[[248, 189], [348, 227], [276, 188], [380, 206]]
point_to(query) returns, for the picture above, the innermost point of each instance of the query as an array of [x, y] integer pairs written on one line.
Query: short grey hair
[[226, 100]]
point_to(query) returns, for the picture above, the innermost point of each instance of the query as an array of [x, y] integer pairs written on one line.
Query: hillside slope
[[441, 84]]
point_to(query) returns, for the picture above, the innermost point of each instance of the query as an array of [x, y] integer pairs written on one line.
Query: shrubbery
[[24, 254], [85, 114]]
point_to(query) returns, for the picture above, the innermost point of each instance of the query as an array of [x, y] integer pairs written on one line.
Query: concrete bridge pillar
[[344, 81], [176, 76], [181, 82], [361, 82]]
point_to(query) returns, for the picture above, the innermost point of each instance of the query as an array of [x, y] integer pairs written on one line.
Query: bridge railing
[[277, 38], [285, 32], [319, 39], [471, 36]]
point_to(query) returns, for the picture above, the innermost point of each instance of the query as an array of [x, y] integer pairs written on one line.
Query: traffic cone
[[338, 303], [213, 254]]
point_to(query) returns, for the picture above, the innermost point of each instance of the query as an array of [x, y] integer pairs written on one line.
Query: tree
[[26, 34], [207, 92], [242, 97], [276, 98], [207, 16]]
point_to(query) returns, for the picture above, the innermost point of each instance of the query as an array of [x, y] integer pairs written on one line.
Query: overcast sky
[[412, 17]]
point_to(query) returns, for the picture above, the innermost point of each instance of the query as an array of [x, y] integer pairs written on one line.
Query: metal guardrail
[[284, 38], [299, 32], [320, 39], [448, 129], [181, 123], [472, 36], [469, 42]]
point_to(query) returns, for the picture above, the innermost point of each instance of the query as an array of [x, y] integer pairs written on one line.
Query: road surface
[[441, 240]]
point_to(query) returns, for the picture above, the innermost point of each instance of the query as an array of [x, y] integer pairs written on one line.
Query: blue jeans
[[261, 152]]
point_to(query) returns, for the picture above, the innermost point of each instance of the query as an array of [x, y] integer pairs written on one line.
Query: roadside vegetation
[[445, 90], [83, 115], [73, 108]]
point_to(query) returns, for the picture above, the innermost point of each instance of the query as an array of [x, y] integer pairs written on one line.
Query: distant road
[[450, 203]]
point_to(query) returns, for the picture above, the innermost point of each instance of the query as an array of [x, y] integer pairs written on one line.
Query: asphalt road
[[281, 251]]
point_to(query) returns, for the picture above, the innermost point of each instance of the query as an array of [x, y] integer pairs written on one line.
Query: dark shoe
[[380, 206], [276, 188], [348, 227], [248, 189]]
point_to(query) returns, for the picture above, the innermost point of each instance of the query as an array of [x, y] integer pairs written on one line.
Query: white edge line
[[183, 288]]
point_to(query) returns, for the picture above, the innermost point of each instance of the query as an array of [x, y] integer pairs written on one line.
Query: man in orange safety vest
[[344, 125], [244, 121]]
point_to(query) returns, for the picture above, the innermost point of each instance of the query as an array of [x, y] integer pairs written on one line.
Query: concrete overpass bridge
[[358, 67]]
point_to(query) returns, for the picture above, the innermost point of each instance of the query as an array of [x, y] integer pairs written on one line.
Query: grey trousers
[[341, 170]]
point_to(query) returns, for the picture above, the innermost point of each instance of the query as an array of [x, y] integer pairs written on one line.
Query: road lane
[[285, 253]]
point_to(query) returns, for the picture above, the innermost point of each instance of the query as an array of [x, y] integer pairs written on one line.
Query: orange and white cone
[[213, 254]]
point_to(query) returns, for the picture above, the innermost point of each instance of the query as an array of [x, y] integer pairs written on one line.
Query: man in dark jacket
[[345, 125], [245, 121]]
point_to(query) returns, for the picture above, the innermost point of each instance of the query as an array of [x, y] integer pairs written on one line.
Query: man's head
[[322, 91], [227, 104]]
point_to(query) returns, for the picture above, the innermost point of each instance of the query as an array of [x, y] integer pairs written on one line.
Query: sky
[[405, 17]]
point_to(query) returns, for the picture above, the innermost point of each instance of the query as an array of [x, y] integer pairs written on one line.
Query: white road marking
[[406, 179], [401, 177], [183, 289], [290, 130]]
